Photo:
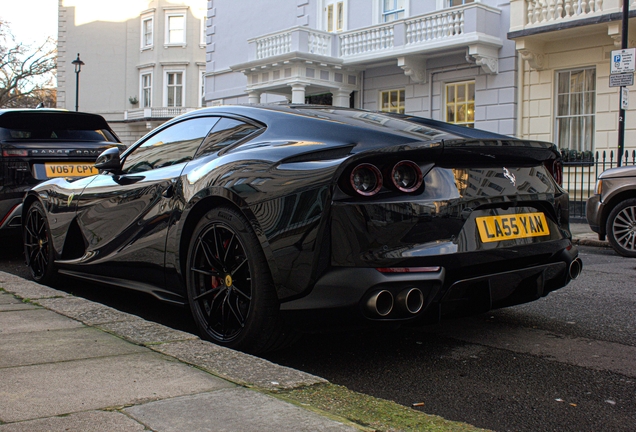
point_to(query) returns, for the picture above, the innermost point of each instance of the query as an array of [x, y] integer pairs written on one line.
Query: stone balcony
[[159, 113], [473, 25], [308, 60]]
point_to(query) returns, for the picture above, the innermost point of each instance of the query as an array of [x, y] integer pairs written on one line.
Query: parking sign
[[623, 61]]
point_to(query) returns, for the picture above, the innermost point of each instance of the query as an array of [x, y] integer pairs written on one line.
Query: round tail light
[[407, 176], [366, 179]]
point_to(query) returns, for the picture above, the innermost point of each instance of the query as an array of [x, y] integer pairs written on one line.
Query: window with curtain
[[392, 10], [460, 103], [174, 89], [392, 101], [146, 90], [576, 107], [146, 32], [334, 11]]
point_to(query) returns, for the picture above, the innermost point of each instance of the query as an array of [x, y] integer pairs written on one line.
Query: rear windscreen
[[54, 126], [36, 133]]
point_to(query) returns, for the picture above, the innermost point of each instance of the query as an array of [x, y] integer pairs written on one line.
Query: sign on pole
[[623, 61], [621, 80], [624, 98]]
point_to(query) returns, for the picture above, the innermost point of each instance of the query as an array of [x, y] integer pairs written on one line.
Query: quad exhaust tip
[[411, 300], [381, 303], [575, 268]]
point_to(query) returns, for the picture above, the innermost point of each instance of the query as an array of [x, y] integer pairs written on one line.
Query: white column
[[255, 97], [340, 98], [298, 93]]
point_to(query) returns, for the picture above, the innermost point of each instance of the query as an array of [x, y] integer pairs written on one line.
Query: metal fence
[[580, 172]]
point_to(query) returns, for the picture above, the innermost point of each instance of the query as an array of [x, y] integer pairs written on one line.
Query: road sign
[[624, 98], [623, 61], [622, 80]]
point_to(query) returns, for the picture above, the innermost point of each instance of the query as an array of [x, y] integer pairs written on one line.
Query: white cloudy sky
[[31, 21]]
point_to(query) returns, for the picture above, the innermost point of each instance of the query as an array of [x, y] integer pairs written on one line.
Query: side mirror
[[109, 160]]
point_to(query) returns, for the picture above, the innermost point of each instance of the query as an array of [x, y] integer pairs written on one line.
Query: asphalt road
[[563, 363]]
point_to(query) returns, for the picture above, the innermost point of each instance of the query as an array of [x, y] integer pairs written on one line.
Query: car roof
[[49, 117], [351, 116]]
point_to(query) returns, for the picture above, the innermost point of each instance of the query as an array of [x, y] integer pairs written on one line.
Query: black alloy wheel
[[621, 228], [230, 291], [38, 249]]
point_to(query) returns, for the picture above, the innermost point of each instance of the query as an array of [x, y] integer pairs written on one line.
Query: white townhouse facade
[[144, 60], [443, 59], [564, 79]]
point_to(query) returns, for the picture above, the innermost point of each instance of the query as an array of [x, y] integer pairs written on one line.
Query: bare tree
[[27, 75]]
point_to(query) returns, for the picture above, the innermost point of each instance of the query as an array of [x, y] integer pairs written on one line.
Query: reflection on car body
[[267, 220]]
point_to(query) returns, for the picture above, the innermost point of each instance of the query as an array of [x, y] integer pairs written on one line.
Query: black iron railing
[[580, 172]]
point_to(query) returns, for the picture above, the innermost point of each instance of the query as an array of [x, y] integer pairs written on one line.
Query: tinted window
[[175, 144], [37, 133], [54, 125], [226, 132]]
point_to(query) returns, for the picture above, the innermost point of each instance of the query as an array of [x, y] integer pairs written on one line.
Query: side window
[[226, 132], [175, 144]]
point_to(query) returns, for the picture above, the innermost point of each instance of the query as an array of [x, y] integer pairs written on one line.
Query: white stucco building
[[444, 59], [144, 60], [564, 76]]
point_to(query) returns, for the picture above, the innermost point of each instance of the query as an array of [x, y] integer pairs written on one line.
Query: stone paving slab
[[60, 345], [34, 320], [7, 307], [241, 368], [10, 303], [91, 421], [235, 409], [31, 392], [6, 298]]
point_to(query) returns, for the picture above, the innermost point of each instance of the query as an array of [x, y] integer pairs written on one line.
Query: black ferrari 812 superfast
[[270, 220]]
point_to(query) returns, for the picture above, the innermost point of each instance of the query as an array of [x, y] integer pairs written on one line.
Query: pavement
[[69, 364]]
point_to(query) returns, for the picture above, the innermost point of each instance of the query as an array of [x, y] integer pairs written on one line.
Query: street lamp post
[[78, 68]]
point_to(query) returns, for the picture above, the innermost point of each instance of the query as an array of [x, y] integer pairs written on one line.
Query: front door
[[124, 217]]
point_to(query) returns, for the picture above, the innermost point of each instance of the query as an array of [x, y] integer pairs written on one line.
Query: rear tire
[[38, 245], [229, 285], [621, 228]]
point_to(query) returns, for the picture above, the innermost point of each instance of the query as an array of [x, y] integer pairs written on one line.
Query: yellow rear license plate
[[70, 169], [509, 227]]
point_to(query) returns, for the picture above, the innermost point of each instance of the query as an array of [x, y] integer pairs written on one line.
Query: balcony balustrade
[[531, 14], [155, 113], [457, 26]]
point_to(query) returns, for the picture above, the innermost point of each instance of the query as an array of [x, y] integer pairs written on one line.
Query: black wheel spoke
[[239, 318], [206, 272], [242, 294], [228, 247], [213, 291], [210, 257], [235, 269]]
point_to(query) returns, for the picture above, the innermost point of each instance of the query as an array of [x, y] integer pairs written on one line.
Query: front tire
[[229, 286], [621, 228], [38, 245]]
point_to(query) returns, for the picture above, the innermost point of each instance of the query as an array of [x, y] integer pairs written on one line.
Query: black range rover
[[38, 144]]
